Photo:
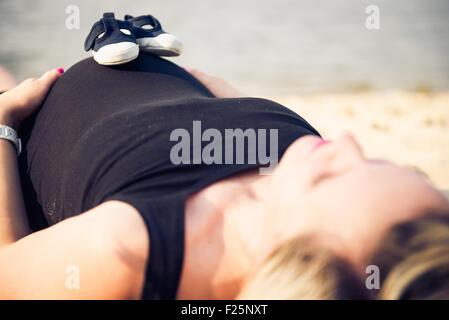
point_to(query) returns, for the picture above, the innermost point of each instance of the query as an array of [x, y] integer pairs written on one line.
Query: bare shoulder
[[121, 222], [120, 227]]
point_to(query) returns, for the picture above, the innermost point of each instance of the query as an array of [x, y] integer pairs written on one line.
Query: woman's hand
[[219, 87], [18, 103]]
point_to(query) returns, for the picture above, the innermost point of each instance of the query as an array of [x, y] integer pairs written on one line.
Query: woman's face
[[330, 188]]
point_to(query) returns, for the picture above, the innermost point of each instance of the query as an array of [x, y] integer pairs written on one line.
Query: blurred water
[[262, 46]]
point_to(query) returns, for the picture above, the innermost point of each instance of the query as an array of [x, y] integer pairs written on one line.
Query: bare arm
[[15, 105], [7, 80], [13, 220], [219, 87], [100, 254]]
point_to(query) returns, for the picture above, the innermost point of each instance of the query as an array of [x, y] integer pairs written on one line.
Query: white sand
[[408, 128]]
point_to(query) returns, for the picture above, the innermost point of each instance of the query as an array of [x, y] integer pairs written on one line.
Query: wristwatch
[[10, 134]]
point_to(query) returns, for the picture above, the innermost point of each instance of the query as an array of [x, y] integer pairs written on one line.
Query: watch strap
[[10, 134]]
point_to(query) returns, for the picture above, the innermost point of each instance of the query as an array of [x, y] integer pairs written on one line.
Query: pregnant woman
[[115, 196]]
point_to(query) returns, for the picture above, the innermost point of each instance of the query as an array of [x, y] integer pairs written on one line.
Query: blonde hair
[[303, 269], [413, 260]]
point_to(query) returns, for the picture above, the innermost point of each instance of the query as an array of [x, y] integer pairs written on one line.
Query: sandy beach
[[408, 128]]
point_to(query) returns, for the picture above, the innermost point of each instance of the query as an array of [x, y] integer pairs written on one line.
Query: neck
[[226, 237]]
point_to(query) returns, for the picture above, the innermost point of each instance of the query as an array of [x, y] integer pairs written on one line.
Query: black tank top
[[103, 133]]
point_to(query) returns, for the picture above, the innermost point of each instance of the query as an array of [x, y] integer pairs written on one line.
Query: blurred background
[[288, 46], [388, 86]]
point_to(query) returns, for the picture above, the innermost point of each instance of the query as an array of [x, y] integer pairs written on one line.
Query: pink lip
[[319, 144]]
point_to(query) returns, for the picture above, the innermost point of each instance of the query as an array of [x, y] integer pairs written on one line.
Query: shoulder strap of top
[[164, 219]]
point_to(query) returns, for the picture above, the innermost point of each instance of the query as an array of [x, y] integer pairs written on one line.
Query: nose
[[349, 148]]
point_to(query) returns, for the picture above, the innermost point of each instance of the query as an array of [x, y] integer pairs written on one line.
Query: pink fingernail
[[61, 70]]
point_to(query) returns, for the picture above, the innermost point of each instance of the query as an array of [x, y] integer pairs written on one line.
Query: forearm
[[15, 105], [13, 220]]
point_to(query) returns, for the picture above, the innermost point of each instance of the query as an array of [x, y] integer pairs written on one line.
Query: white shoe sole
[[116, 53], [164, 44]]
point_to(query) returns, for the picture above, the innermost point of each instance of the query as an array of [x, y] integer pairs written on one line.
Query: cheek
[[339, 200]]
